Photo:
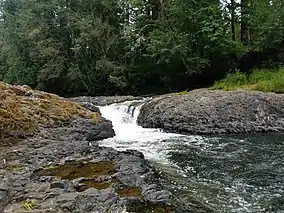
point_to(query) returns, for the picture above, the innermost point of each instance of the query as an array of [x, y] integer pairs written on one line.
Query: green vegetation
[[28, 205], [265, 80], [110, 47], [185, 92]]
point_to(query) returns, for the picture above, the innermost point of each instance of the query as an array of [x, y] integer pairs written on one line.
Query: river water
[[207, 174]]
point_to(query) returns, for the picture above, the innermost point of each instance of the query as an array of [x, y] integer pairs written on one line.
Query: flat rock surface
[[64, 170], [215, 112]]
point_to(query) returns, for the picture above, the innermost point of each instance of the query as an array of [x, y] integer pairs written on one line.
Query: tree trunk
[[233, 18], [244, 25]]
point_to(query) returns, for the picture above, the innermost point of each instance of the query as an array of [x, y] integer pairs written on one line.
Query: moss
[[149, 208], [28, 205], [86, 184], [74, 170], [129, 192], [14, 168], [23, 111]]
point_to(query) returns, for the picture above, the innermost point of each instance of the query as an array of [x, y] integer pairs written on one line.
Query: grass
[[185, 92], [28, 205], [265, 80], [23, 111]]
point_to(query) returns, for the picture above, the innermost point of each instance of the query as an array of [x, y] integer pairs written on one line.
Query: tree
[[132, 46]]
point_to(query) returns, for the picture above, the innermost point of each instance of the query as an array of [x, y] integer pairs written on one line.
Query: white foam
[[153, 143]]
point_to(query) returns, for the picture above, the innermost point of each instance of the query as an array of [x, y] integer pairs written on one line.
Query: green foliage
[[185, 92], [232, 81], [265, 80], [115, 47], [268, 80], [28, 205]]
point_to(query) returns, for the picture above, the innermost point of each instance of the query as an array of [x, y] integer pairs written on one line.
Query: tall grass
[[265, 80]]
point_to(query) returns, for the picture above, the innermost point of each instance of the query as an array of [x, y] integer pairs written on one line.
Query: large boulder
[[215, 112]]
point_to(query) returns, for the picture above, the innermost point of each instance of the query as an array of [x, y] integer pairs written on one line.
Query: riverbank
[[56, 164], [265, 80]]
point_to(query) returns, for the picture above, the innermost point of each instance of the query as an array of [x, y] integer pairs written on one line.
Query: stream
[[243, 173]]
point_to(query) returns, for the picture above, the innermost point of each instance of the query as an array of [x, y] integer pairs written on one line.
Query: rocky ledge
[[24, 111], [89, 102], [215, 112], [59, 167]]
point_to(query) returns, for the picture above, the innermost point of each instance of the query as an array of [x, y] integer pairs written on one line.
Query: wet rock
[[215, 112], [158, 196], [101, 131], [58, 184], [63, 172]]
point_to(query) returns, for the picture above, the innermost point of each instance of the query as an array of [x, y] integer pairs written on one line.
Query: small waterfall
[[216, 171], [129, 135]]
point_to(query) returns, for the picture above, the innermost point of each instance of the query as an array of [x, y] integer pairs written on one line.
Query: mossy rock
[[23, 111]]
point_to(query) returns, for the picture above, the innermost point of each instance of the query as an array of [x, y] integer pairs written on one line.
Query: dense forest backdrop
[[112, 47]]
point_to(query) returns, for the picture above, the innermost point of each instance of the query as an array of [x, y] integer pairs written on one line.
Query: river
[[206, 174]]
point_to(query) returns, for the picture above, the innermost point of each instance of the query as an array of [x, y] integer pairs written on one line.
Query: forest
[[112, 47]]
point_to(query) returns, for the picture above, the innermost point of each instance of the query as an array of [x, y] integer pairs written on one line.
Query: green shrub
[[185, 92], [266, 80], [232, 81]]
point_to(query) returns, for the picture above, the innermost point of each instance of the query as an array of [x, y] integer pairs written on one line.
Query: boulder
[[215, 112]]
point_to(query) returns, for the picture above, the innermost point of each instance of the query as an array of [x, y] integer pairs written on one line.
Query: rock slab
[[215, 112]]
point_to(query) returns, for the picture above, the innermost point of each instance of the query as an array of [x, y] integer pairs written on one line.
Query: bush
[[265, 80], [232, 81]]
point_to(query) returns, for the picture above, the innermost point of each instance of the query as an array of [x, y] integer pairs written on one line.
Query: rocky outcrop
[[215, 112], [24, 111], [50, 160], [63, 169]]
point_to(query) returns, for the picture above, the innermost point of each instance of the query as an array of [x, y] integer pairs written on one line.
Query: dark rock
[[215, 112], [67, 197], [45, 179], [158, 196], [58, 184], [101, 131], [5, 194], [90, 106]]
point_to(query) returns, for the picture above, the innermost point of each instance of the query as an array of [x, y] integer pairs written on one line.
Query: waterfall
[[129, 135], [204, 169]]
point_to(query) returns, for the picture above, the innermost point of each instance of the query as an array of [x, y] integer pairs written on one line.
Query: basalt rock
[[215, 112], [63, 169]]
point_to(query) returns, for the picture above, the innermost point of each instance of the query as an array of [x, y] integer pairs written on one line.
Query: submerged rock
[[215, 112]]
